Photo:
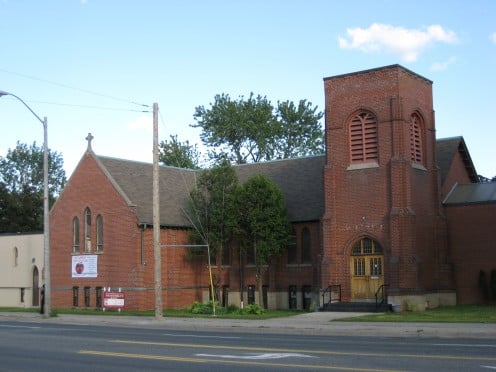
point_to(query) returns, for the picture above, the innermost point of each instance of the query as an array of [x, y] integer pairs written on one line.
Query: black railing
[[334, 293], [382, 290]]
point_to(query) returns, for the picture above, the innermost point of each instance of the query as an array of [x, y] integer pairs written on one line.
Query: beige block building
[[21, 268]]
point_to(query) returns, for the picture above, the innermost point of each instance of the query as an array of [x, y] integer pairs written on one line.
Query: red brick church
[[389, 211]]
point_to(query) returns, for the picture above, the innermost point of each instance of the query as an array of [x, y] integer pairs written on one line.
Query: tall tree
[[263, 227], [300, 131], [238, 130], [23, 166], [179, 154], [252, 130], [21, 180]]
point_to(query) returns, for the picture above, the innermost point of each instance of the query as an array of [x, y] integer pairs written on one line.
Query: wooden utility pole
[[156, 220]]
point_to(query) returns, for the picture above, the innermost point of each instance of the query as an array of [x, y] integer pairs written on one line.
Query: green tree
[[300, 131], [212, 208], [252, 130], [263, 228], [238, 130], [21, 180], [179, 154]]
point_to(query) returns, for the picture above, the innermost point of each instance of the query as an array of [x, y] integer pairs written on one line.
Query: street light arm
[[47, 308], [3, 93]]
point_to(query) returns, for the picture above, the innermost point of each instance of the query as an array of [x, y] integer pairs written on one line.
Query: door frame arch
[[366, 260]]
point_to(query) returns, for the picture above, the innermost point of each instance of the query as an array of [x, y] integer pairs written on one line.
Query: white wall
[[17, 272]]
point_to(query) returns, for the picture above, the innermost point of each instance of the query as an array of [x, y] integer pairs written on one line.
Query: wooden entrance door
[[367, 269]]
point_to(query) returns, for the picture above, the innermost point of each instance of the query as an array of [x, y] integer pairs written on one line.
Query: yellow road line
[[223, 361], [323, 352]]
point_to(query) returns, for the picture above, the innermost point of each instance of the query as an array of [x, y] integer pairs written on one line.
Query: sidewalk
[[318, 323]]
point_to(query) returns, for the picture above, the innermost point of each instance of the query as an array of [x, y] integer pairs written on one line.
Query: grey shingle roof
[[446, 148], [473, 193], [301, 181]]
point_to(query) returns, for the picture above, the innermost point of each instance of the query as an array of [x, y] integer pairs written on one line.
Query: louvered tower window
[[363, 138], [416, 155]]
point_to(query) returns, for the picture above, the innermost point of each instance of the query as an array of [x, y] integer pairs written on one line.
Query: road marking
[[199, 336], [258, 356], [489, 367], [224, 361], [467, 345], [12, 326], [306, 351]]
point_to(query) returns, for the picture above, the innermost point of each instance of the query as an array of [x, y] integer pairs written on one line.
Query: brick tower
[[383, 222]]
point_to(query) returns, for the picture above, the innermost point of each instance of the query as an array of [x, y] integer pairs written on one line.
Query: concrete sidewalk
[[317, 323]]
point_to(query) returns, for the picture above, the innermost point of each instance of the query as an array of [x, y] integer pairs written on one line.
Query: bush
[[253, 309], [205, 308]]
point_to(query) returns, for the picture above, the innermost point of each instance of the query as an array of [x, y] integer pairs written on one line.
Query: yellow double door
[[367, 276]]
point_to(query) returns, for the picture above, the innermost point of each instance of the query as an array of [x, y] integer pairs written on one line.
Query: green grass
[[444, 314], [167, 313]]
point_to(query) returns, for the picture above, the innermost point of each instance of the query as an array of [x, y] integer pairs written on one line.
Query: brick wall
[[472, 239], [392, 202]]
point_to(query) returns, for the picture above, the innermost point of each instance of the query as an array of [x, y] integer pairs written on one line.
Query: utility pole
[[156, 220]]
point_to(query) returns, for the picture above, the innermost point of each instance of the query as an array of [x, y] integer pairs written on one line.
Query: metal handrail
[[334, 288], [381, 289]]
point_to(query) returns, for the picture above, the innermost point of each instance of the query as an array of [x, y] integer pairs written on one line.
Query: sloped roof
[[446, 148], [301, 181], [473, 193]]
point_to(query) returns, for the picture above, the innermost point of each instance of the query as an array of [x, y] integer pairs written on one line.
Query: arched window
[[366, 246], [416, 153], [99, 233], [292, 248], [87, 230], [306, 246], [75, 235], [363, 138], [15, 256]]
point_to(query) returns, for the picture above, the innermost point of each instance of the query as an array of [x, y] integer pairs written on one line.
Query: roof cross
[[88, 138]]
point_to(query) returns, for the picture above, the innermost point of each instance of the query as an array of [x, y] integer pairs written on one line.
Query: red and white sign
[[113, 300]]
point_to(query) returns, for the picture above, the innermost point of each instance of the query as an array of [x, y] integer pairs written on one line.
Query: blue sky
[[84, 64]]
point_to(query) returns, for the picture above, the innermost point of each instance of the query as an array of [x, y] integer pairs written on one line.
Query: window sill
[[358, 166]]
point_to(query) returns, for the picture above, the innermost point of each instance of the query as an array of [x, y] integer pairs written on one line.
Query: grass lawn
[[167, 313], [444, 314]]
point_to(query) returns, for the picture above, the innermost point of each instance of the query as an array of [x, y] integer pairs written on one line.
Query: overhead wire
[[67, 86]]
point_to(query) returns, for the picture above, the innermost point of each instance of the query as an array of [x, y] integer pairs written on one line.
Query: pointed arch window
[[363, 138], [416, 153], [16, 256], [306, 246], [87, 230], [99, 233], [292, 248], [75, 235]]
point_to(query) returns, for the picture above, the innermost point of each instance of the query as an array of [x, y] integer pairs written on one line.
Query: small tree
[[212, 209], [263, 227]]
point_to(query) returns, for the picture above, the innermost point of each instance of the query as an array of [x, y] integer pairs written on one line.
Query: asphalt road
[[42, 345]]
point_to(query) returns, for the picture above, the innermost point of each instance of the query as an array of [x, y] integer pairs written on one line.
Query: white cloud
[[407, 43], [141, 122], [440, 66], [493, 37]]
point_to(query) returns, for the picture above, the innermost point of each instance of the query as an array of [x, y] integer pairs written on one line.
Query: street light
[[46, 228]]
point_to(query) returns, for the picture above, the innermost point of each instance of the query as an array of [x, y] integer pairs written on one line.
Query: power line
[[90, 107], [74, 88]]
